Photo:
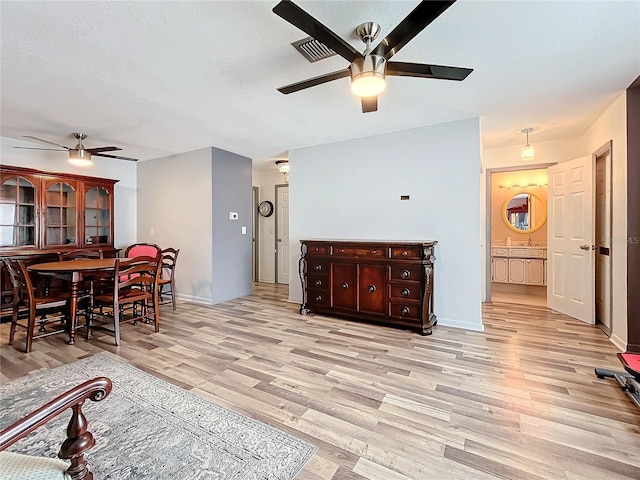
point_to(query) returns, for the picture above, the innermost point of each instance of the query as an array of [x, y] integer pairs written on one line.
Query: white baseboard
[[617, 341], [191, 298], [447, 322]]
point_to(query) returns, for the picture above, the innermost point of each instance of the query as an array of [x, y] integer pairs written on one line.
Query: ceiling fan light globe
[[80, 158], [368, 76], [368, 84], [527, 153]]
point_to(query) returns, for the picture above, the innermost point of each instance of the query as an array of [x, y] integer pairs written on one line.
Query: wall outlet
[[151, 231], [244, 230], [233, 215]]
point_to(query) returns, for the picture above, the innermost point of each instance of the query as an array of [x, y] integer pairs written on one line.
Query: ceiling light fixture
[[527, 153], [367, 76], [80, 158], [283, 168]]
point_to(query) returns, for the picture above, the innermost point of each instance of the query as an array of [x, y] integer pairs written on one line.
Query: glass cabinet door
[[17, 213], [61, 215], [97, 210]]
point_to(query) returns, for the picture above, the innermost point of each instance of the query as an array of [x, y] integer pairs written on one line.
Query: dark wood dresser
[[387, 282]]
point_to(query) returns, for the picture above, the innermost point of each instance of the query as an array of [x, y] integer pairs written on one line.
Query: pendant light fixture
[[527, 153], [283, 168]]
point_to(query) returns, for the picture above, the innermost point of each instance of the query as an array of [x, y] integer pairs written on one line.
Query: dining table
[[74, 271]]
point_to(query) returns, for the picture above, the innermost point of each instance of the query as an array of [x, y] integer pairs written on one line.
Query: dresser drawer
[[313, 249], [405, 309], [318, 297], [412, 253], [317, 266], [408, 290], [318, 282], [363, 251], [406, 272]]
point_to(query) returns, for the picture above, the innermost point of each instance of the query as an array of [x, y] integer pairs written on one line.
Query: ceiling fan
[[79, 155], [369, 68]]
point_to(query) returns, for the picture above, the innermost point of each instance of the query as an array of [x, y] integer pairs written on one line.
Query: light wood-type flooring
[[517, 401], [522, 294]]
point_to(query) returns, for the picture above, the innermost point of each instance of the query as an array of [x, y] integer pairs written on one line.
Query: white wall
[[266, 180], [122, 170], [176, 203], [352, 190]]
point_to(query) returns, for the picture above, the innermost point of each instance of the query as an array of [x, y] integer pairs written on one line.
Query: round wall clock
[[265, 208]]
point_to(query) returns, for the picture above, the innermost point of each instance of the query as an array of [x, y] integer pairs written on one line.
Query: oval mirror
[[524, 212]]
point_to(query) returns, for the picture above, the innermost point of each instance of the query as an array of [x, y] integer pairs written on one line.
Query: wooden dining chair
[[50, 311], [134, 296], [167, 281], [142, 249], [97, 283], [80, 253]]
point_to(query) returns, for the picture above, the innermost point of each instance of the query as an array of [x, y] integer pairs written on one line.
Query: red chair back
[[142, 250]]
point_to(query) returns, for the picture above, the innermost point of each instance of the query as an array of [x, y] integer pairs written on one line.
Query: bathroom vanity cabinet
[[520, 265]]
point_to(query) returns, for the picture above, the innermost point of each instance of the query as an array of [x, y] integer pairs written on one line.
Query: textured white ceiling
[[159, 78]]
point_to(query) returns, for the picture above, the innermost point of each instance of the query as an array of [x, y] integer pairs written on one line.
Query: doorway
[[282, 234], [603, 231], [517, 234], [255, 259]]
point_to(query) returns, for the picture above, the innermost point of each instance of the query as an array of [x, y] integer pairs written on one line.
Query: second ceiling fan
[[79, 155], [369, 69]]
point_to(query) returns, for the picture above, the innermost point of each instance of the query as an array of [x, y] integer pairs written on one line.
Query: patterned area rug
[[149, 429]]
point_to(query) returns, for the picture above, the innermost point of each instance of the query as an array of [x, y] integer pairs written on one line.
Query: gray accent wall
[[184, 202], [232, 250]]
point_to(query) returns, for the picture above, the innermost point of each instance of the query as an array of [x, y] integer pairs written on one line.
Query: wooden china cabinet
[[44, 213]]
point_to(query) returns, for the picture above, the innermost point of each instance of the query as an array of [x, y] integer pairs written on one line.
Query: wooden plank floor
[[518, 401]]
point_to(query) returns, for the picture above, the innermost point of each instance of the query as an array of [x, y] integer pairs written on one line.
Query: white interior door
[[282, 234], [570, 265]]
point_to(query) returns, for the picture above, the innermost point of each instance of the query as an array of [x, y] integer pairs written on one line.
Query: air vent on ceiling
[[313, 50]]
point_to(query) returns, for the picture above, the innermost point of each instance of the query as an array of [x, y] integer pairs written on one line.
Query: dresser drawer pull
[[318, 283], [317, 268], [373, 252], [318, 298], [342, 250], [372, 288], [405, 253], [317, 249], [405, 311], [405, 274], [405, 292], [345, 285]]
